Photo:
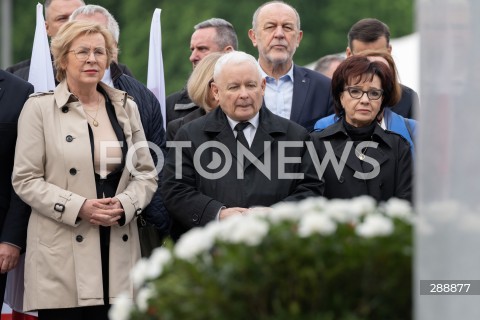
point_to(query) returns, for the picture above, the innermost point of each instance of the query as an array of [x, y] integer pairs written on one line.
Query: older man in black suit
[[14, 213], [265, 156]]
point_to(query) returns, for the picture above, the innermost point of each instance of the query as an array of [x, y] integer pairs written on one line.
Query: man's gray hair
[[226, 35], [91, 9], [47, 4], [324, 62], [257, 12], [235, 57]]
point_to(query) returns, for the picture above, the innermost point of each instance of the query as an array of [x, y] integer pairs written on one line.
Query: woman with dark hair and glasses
[[82, 164], [363, 159]]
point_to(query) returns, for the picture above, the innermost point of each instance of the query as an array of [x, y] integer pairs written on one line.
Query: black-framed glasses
[[357, 93], [83, 53]]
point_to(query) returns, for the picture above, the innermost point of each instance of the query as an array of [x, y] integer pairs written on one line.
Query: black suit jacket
[[14, 214], [174, 125], [312, 97], [408, 105], [195, 199]]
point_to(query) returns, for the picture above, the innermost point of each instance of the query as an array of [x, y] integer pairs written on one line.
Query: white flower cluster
[[313, 216]]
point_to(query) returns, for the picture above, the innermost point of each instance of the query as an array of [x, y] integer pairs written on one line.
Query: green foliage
[[325, 24], [289, 264]]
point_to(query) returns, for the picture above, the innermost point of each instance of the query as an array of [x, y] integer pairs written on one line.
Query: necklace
[[361, 155], [94, 122]]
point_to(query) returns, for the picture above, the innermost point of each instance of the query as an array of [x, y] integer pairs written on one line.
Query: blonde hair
[[198, 85], [397, 91], [62, 42]]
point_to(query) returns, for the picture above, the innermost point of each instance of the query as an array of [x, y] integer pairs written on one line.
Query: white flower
[[139, 272], [339, 210], [284, 211], [143, 296], [244, 229], [316, 204], [193, 243], [398, 208], [312, 223], [375, 225], [159, 258], [121, 309], [362, 205]]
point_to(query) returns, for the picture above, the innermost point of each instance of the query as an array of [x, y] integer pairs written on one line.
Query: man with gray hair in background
[[212, 35], [148, 107], [327, 65]]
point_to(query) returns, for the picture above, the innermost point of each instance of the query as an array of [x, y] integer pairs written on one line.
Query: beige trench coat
[[53, 170]]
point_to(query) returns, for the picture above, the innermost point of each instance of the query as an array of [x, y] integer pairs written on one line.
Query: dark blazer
[[408, 105], [14, 213], [152, 121], [173, 126], [312, 97], [178, 105], [392, 154], [194, 200]]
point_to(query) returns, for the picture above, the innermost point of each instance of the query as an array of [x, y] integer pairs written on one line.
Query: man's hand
[[228, 212], [8, 257]]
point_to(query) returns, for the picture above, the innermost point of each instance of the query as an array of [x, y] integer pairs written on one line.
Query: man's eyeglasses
[[357, 93], [82, 53]]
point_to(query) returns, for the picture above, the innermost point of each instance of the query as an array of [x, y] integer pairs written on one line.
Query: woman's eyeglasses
[[82, 53], [357, 93]]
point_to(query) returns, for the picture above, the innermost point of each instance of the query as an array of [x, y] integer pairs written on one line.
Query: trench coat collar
[[64, 96]]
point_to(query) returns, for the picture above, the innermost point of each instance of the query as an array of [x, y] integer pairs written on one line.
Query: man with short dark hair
[[57, 13], [212, 35], [293, 92], [373, 34]]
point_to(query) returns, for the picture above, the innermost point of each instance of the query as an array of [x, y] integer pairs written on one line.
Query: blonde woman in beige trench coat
[[60, 172]]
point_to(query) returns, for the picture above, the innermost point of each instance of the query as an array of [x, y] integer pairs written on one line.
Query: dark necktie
[[240, 135]]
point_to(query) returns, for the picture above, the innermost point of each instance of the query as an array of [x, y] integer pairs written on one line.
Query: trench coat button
[[64, 109], [125, 237], [79, 238], [341, 179], [73, 171], [69, 138], [195, 217]]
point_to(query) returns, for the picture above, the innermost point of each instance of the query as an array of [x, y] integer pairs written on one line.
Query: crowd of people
[[245, 132]]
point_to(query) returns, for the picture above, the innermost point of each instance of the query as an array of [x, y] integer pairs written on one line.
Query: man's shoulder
[[19, 65], [14, 79], [312, 74], [180, 96]]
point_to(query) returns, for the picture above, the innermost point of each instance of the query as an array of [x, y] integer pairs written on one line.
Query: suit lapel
[[301, 84]]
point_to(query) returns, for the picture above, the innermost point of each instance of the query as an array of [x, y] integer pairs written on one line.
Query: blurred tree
[[325, 24]]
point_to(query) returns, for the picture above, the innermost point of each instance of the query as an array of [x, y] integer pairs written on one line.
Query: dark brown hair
[[357, 69]]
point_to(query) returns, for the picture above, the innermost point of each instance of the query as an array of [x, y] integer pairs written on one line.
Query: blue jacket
[[407, 128]]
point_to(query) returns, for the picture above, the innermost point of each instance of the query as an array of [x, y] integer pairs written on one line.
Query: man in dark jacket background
[[148, 106], [212, 35], [14, 213]]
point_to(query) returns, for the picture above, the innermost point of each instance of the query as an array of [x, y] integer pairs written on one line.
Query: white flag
[[156, 79], [41, 70]]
